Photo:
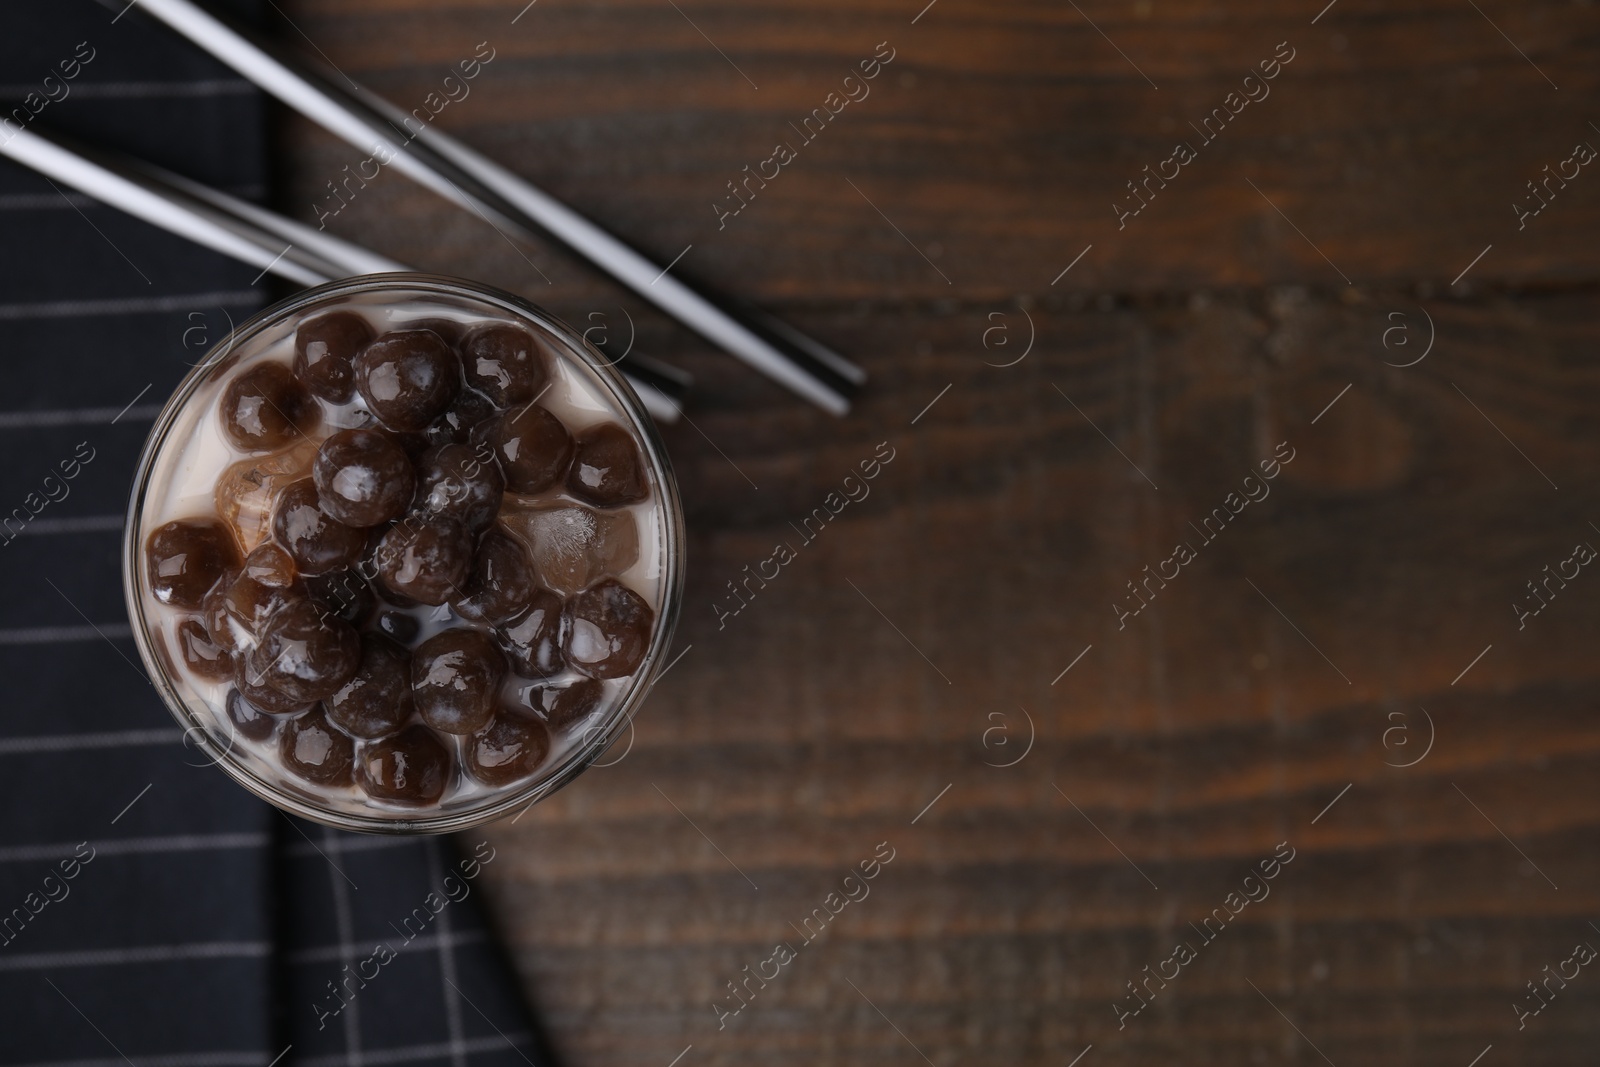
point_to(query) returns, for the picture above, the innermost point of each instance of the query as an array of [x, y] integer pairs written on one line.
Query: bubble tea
[[403, 554]]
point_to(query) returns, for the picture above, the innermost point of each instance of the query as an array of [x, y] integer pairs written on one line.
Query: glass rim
[[596, 738]]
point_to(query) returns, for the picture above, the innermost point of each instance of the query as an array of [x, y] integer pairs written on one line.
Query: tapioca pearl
[[376, 701], [204, 658], [505, 363], [305, 653], [262, 696], [316, 541], [424, 558], [407, 379], [562, 705], [510, 748], [265, 407], [455, 678], [413, 767], [532, 446], [501, 583], [466, 413], [364, 477], [269, 565], [462, 481], [310, 747], [607, 470], [532, 639], [247, 720], [184, 559], [249, 605], [325, 349], [607, 630]]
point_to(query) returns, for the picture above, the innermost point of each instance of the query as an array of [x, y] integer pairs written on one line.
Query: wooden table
[[1338, 274]]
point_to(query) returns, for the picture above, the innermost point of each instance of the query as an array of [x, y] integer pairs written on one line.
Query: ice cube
[[573, 546], [247, 490]]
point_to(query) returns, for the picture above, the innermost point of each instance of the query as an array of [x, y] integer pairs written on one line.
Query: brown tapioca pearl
[[265, 407], [313, 749], [532, 446], [248, 720], [345, 594], [203, 656], [408, 379], [270, 565], [462, 481], [262, 696], [377, 700], [606, 468], [250, 604], [237, 610], [412, 767], [512, 746], [305, 653], [316, 541], [607, 630], [455, 676], [398, 625], [424, 558], [469, 411], [363, 477], [186, 558], [563, 705], [325, 349], [449, 331], [501, 582], [532, 640], [505, 363]]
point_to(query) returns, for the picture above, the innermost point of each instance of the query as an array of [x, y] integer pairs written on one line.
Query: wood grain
[[1291, 659]]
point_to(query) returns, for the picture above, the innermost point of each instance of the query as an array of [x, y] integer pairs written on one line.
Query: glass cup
[[187, 455]]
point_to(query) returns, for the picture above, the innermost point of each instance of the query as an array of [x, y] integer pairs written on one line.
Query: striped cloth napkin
[[151, 911]]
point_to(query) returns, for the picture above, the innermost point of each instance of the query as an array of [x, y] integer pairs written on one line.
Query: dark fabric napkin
[[151, 911]]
